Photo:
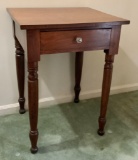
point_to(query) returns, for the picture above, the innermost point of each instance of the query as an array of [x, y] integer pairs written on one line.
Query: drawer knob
[[79, 40]]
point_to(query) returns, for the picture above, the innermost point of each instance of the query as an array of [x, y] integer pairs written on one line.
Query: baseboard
[[9, 109], [49, 101]]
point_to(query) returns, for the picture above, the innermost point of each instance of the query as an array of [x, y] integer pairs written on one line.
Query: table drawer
[[74, 41]]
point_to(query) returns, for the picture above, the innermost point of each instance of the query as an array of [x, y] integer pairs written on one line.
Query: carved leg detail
[[20, 74], [33, 104], [78, 72], [107, 77]]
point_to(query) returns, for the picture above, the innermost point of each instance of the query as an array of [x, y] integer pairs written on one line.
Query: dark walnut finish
[[33, 103], [20, 74], [52, 42], [56, 30], [108, 67], [78, 72]]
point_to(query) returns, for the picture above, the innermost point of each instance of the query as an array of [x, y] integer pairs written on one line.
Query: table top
[[40, 18]]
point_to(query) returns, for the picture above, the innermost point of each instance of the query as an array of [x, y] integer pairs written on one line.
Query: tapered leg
[[33, 104], [78, 72], [107, 77], [20, 74]]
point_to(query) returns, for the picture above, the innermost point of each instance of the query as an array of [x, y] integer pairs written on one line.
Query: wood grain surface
[[65, 41], [39, 18], [55, 30]]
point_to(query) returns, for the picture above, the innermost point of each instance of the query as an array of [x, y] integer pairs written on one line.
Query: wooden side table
[[56, 30]]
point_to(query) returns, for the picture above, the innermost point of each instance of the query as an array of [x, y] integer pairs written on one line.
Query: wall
[[56, 72]]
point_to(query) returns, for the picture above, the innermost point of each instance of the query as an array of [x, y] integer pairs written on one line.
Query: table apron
[[66, 41]]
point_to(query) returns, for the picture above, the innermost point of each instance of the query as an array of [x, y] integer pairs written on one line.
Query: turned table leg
[[78, 72], [107, 76], [20, 74], [33, 104]]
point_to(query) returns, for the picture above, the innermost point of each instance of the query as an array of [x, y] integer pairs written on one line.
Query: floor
[[68, 132]]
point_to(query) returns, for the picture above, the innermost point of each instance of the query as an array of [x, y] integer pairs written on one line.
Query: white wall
[[56, 72]]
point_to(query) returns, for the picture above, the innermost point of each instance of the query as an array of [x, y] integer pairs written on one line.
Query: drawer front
[[74, 41]]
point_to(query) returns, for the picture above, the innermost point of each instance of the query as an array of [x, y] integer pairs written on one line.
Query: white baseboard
[[46, 102]]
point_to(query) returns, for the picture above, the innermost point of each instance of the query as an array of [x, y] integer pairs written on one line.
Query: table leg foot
[[34, 150], [76, 100], [21, 102], [22, 111], [33, 138], [102, 122], [100, 132], [77, 91]]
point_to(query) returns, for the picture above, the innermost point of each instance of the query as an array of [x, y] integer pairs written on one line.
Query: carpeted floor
[[68, 132]]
